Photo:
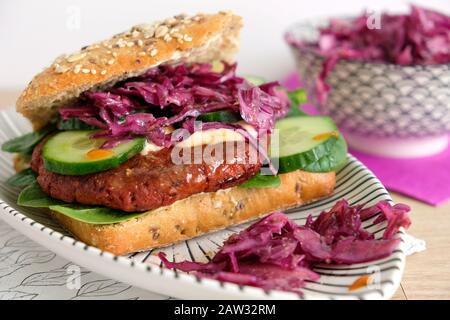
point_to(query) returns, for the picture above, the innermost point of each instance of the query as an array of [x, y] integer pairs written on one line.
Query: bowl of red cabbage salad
[[384, 78]]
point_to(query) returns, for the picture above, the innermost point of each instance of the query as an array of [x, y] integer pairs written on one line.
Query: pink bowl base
[[398, 147]]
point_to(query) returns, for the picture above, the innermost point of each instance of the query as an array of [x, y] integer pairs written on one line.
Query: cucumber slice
[[67, 153], [340, 152], [220, 116], [310, 143]]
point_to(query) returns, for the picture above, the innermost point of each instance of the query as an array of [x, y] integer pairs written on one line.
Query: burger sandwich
[[151, 137]]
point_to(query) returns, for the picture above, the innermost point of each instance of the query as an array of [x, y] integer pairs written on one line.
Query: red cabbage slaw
[[173, 94], [421, 37], [276, 253]]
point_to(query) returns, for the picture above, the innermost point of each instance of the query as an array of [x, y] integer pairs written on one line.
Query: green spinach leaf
[[26, 143], [262, 181], [297, 98], [34, 197], [74, 124], [94, 215], [22, 179]]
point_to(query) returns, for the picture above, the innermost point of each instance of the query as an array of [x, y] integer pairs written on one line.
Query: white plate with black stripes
[[354, 182]]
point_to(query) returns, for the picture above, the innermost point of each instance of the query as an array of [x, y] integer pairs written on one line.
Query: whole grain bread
[[201, 213], [200, 38]]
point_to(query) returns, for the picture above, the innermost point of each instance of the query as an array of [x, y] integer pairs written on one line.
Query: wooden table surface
[[427, 274]]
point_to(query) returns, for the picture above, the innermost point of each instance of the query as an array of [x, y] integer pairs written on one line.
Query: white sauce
[[213, 136], [150, 147], [249, 128]]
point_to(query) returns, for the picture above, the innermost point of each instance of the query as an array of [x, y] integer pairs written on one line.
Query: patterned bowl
[[382, 108]]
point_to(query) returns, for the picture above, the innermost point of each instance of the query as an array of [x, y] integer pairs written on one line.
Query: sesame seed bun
[[200, 38]]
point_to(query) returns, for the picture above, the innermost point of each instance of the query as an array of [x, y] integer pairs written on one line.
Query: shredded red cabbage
[[421, 37], [261, 106], [276, 253], [168, 95]]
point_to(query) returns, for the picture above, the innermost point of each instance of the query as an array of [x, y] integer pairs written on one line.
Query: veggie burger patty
[[145, 182]]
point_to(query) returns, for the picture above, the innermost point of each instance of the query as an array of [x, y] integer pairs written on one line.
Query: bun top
[[199, 38]]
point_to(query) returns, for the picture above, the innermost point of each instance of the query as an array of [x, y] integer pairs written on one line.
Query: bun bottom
[[201, 213]]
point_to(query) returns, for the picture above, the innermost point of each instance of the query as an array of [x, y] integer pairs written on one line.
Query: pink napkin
[[425, 179]]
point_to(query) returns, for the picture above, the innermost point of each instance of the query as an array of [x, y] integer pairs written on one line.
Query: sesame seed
[[130, 43], [135, 33], [121, 43], [167, 38], [111, 61], [161, 31], [61, 58], [142, 53], [177, 35], [103, 72], [77, 68], [171, 21], [76, 57], [154, 52], [145, 26], [150, 32], [140, 43], [60, 69], [93, 71], [85, 70], [187, 38], [114, 54]]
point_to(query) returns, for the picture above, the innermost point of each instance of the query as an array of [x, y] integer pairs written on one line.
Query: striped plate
[[354, 182]]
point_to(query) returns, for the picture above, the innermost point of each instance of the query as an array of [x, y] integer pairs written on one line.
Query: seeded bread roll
[[201, 213], [201, 38]]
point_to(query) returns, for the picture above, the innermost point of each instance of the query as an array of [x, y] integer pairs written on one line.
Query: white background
[[33, 33]]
